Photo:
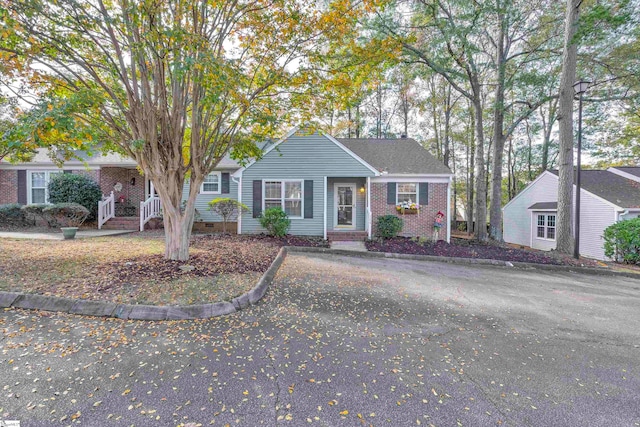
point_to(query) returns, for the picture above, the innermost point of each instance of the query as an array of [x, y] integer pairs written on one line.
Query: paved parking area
[[344, 341]]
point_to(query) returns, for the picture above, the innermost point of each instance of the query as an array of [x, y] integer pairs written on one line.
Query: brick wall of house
[[8, 186], [417, 225], [133, 194]]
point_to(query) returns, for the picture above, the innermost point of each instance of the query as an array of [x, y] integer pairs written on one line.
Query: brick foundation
[[8, 186], [420, 224]]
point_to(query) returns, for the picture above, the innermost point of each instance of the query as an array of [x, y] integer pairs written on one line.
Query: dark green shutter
[[423, 195], [308, 198], [391, 193], [257, 198], [67, 171], [225, 183], [22, 187]]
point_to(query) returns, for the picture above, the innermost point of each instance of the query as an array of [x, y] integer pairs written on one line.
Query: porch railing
[[150, 208], [106, 209]]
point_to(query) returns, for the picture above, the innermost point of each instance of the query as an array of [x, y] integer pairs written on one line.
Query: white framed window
[[285, 194], [546, 226], [38, 186], [211, 184], [407, 192]]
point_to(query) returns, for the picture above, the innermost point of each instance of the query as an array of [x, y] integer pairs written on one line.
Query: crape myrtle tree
[[174, 84]]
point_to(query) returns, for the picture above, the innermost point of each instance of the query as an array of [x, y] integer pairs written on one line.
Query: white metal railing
[[150, 208], [106, 209]]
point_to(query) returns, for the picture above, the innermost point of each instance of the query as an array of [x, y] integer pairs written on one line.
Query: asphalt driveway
[[341, 341]]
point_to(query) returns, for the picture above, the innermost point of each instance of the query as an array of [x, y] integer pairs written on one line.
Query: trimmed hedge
[[67, 214], [74, 188], [12, 214]]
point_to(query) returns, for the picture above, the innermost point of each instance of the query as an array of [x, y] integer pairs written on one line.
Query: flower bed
[[466, 249]]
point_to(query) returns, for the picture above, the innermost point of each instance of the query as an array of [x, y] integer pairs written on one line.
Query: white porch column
[[368, 211], [449, 211], [240, 201], [324, 216]]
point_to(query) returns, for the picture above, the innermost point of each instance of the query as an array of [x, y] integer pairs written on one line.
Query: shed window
[[546, 226]]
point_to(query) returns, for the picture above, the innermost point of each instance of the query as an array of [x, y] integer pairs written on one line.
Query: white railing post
[[150, 208], [106, 210]]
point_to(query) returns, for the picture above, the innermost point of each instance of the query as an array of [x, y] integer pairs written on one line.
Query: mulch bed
[[459, 248]]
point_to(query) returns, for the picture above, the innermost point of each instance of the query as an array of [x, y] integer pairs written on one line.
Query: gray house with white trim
[[331, 188], [607, 196]]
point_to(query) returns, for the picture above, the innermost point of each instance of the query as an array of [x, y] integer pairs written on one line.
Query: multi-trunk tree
[[174, 84]]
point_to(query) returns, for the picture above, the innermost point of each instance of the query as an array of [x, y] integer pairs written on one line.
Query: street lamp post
[[580, 87]]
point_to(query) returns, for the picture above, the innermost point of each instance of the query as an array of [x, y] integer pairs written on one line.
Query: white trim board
[[436, 179], [624, 174]]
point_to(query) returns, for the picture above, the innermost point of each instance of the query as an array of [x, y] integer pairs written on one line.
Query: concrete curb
[[476, 261], [144, 312]]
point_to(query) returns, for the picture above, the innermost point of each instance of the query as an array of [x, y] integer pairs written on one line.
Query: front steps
[[347, 236], [122, 223]]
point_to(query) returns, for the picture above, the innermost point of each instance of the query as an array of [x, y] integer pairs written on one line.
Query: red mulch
[[471, 249]]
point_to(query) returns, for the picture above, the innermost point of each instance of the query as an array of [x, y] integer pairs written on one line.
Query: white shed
[[607, 196]]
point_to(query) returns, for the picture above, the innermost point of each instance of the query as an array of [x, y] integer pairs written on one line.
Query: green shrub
[[276, 221], [388, 226], [67, 214], [74, 188], [227, 208], [12, 214], [35, 211], [622, 241]]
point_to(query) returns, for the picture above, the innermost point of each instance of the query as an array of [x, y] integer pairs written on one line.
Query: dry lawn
[[131, 269]]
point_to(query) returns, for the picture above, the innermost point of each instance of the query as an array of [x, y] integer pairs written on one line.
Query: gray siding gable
[[304, 157]]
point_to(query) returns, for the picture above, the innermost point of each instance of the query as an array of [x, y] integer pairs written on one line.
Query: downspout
[[239, 182]]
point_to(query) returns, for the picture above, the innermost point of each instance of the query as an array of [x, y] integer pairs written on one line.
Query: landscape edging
[[456, 260], [144, 312]]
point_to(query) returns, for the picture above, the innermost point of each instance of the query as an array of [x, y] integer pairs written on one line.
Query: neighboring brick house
[[26, 183], [334, 188]]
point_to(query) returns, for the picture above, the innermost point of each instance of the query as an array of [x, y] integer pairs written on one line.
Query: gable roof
[[294, 131], [396, 156], [611, 187]]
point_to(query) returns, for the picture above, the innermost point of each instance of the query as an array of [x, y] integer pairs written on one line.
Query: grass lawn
[[131, 269]]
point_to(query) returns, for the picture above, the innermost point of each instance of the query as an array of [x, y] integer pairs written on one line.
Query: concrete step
[[347, 236]]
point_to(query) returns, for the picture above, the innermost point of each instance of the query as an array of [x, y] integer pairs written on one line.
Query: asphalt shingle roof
[[396, 156], [614, 188], [544, 205]]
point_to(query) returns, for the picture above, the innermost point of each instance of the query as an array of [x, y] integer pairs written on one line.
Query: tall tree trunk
[[480, 229], [177, 224], [529, 149], [509, 151], [471, 169], [564, 239], [349, 122], [495, 212], [434, 112], [547, 123], [447, 126]]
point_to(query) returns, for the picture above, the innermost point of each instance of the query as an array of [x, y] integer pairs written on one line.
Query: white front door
[[345, 206]]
